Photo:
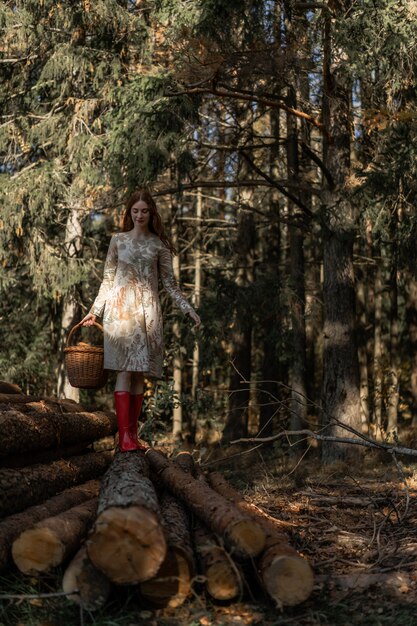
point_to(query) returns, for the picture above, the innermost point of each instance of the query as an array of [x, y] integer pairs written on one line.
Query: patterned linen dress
[[128, 301]]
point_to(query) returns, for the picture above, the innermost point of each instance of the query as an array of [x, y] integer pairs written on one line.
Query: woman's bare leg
[[136, 386], [123, 381]]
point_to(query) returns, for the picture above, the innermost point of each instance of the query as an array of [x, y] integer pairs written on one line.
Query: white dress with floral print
[[128, 301]]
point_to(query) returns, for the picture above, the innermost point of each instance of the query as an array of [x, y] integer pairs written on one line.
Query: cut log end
[[128, 544], [247, 537], [92, 586], [288, 580], [37, 550], [172, 584], [222, 582]]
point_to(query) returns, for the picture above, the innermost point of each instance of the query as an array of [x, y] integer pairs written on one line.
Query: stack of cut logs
[[156, 523]]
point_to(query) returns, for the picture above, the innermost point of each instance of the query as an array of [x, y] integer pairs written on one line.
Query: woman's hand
[[88, 320], [196, 319]]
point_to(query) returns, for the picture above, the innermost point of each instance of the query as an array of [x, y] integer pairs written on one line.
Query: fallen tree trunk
[[20, 488], [286, 576], [220, 484], [65, 404], [222, 577], [44, 456], [92, 586], [127, 543], [172, 583], [11, 527], [35, 426], [51, 541], [242, 533]]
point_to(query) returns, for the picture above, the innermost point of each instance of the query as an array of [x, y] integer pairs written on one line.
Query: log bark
[[222, 577], [44, 456], [224, 488], [10, 388], [241, 532], [65, 404], [13, 526], [127, 543], [36, 426], [286, 576], [172, 583], [51, 541], [93, 587], [20, 488]]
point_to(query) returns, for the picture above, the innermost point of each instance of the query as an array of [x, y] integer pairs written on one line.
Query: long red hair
[[155, 222]]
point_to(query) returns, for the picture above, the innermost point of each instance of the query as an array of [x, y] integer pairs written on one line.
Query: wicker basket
[[84, 363]]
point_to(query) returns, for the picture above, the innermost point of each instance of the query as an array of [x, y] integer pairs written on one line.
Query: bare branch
[[367, 443], [251, 97], [275, 183]]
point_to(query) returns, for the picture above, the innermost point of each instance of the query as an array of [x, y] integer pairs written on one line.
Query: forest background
[[279, 139]]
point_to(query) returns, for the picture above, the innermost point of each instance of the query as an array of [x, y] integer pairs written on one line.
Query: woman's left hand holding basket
[[88, 320]]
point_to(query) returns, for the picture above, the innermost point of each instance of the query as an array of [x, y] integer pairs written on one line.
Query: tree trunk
[[340, 391], [197, 294], [240, 532], [92, 587], [70, 313], [411, 320], [222, 577], [34, 427], [286, 576], [54, 539], [127, 542], [237, 418], [172, 583], [363, 354], [377, 368], [177, 361], [269, 391], [11, 527], [46, 456], [394, 385], [20, 488], [298, 386]]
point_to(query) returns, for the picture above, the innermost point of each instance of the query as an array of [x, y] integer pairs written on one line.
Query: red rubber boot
[[122, 406], [136, 400]]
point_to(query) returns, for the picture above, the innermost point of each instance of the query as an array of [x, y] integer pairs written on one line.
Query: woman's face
[[140, 214]]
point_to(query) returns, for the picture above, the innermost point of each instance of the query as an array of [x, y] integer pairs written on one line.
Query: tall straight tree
[[340, 392]]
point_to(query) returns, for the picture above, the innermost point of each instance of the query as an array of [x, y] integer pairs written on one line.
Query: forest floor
[[357, 527]]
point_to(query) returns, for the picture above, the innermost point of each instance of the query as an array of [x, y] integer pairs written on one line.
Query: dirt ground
[[356, 526]]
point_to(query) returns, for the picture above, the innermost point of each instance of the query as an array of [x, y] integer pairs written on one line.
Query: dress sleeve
[[169, 282], [108, 278]]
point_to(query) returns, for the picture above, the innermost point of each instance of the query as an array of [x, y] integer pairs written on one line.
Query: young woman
[[128, 302]]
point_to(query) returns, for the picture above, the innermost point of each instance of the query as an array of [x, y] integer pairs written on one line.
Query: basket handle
[[74, 328]]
